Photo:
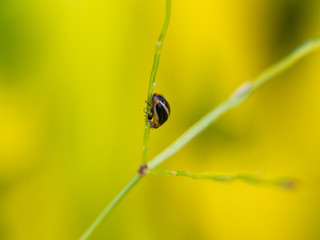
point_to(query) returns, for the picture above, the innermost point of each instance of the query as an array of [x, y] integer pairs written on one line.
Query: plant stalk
[[111, 205], [152, 81]]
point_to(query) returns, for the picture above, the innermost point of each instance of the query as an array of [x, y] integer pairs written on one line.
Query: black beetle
[[160, 110]]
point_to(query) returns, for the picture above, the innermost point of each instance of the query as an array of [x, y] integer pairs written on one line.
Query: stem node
[[143, 169]]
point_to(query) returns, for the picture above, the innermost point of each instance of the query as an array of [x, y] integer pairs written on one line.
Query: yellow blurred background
[[73, 80]]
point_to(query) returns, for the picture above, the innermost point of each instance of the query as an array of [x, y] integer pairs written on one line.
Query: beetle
[[160, 110]]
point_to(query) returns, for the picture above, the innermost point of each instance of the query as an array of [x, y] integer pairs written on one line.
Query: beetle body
[[160, 111]]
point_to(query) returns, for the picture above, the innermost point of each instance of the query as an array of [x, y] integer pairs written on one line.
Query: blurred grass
[[73, 77]]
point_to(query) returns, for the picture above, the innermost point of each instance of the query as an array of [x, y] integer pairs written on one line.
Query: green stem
[[238, 97], [152, 81], [108, 209], [137, 177], [287, 183]]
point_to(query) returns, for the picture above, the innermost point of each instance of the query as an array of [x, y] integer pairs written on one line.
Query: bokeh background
[[73, 80]]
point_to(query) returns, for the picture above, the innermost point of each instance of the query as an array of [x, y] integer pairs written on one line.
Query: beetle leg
[[148, 103], [152, 125], [149, 115]]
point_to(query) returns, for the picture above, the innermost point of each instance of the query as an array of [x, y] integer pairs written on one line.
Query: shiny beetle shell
[[160, 110]]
